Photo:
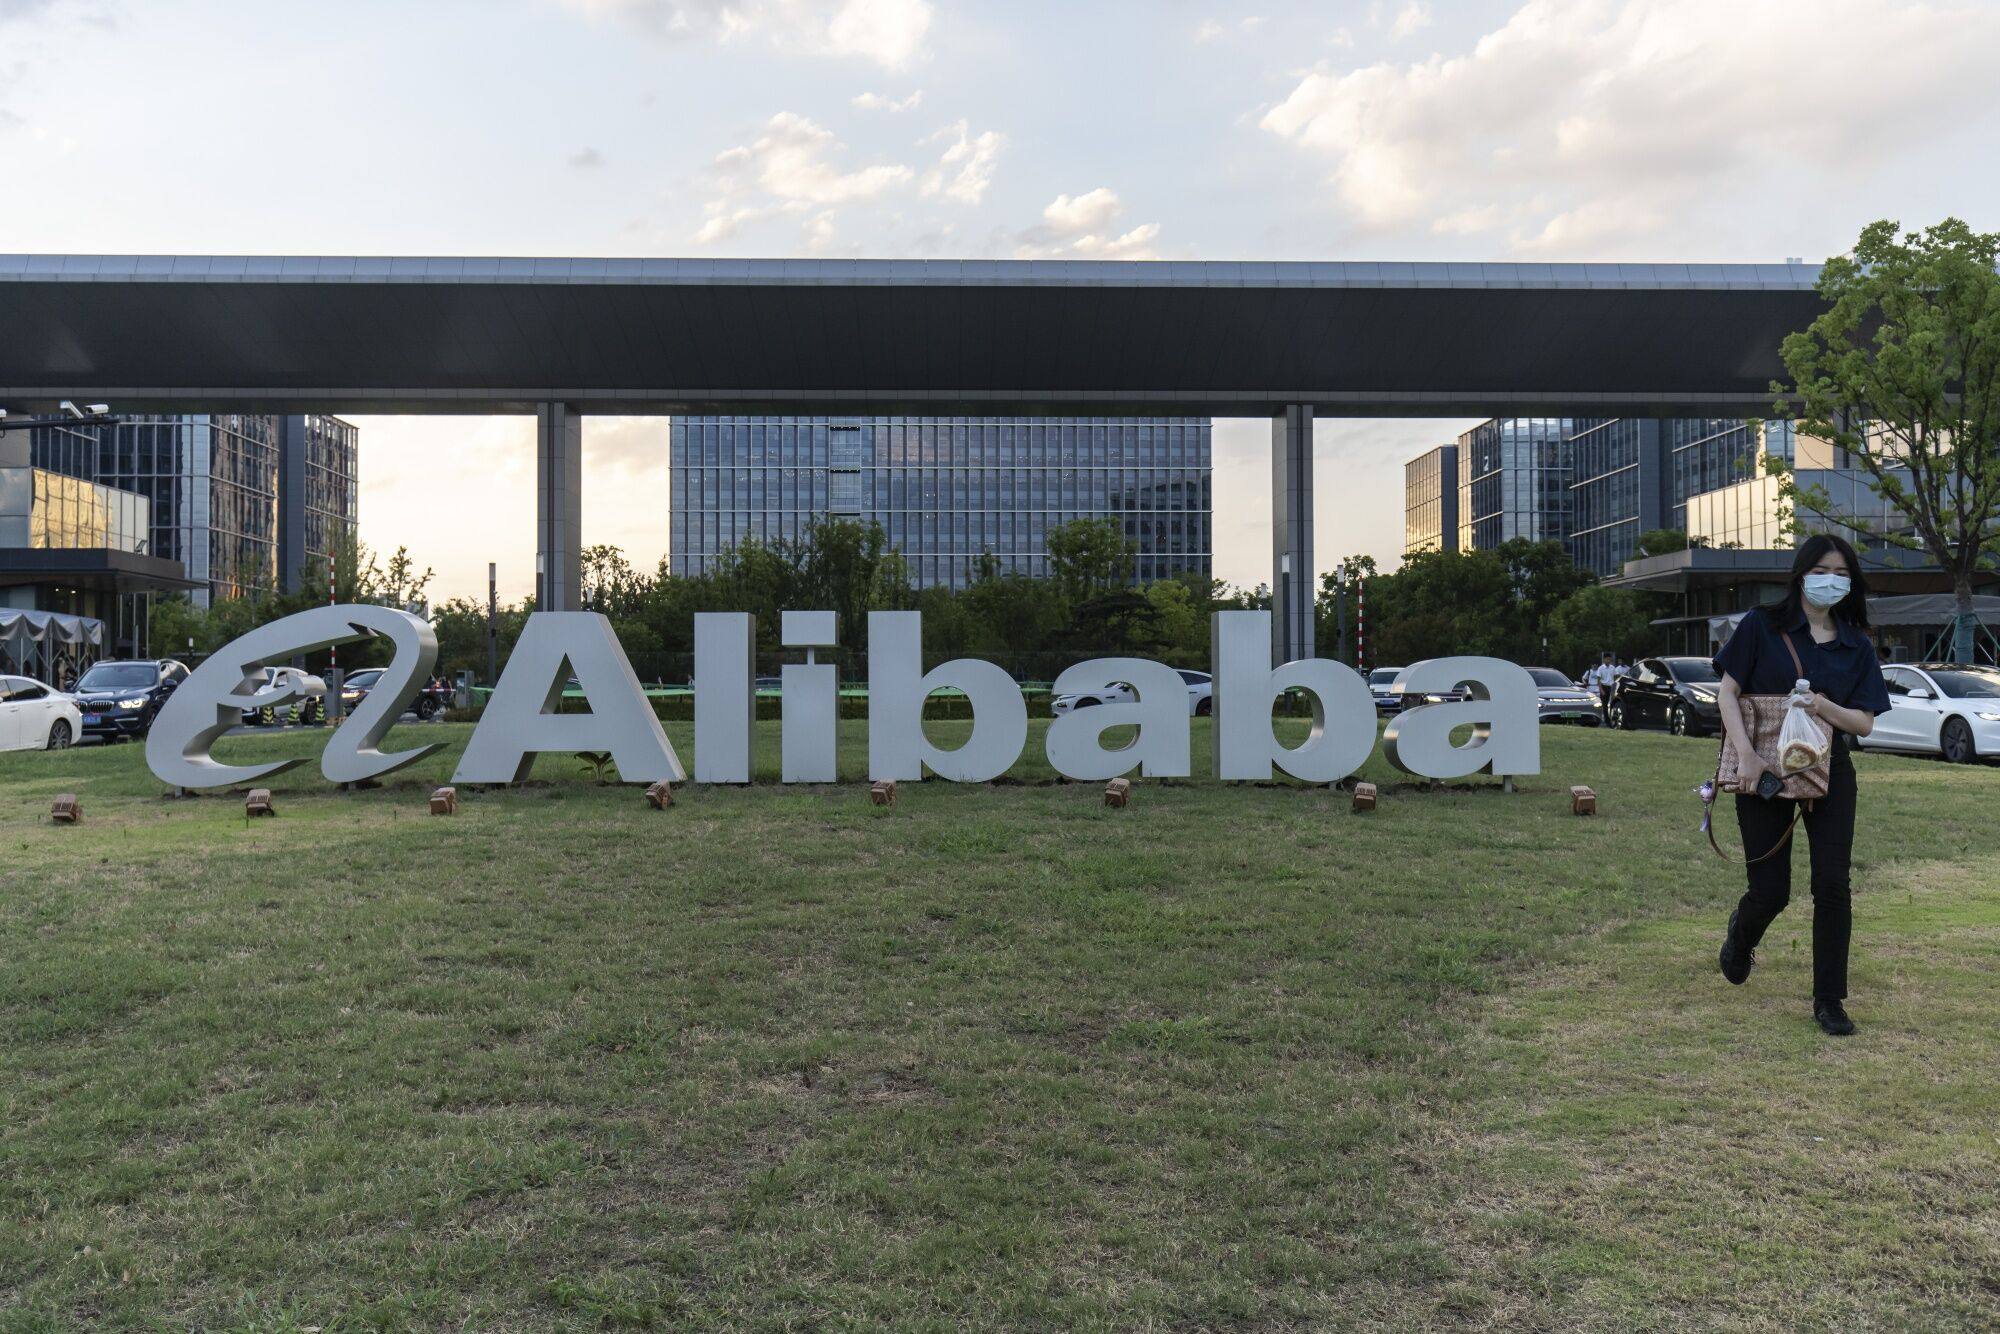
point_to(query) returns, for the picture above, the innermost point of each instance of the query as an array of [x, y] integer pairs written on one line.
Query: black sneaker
[[1831, 1016], [1737, 958]]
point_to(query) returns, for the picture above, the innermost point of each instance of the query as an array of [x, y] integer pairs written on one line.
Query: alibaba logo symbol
[[214, 697]]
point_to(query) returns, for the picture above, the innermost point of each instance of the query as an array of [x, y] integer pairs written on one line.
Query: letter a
[[520, 721]]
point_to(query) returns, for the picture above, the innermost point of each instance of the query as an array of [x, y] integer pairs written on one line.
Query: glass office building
[[1513, 481], [318, 493], [1708, 453], [1618, 488], [946, 490], [213, 483], [1430, 501], [41, 510]]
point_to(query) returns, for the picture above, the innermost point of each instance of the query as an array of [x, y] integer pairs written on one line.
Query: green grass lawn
[[995, 1057]]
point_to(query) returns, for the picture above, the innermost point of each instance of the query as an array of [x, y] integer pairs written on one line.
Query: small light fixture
[[65, 809], [1364, 796], [883, 793], [660, 795], [1118, 792], [258, 803], [1582, 801], [444, 801]]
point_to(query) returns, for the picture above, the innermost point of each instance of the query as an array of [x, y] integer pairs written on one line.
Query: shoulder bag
[[1764, 721]]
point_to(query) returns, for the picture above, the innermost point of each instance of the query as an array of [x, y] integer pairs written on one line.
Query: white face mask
[[1824, 590]]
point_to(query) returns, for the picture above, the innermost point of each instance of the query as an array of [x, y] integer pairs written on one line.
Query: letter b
[[1343, 726]]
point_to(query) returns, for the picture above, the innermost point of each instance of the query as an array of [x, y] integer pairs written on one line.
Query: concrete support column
[[1292, 584], [558, 508]]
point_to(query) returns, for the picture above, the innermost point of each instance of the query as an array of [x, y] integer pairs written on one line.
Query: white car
[[35, 717], [309, 706], [1382, 686], [1200, 687], [1939, 708]]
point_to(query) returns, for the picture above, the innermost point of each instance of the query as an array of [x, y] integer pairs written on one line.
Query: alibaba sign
[[520, 722]]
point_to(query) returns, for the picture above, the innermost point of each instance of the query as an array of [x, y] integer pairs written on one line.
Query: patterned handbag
[[1764, 719]]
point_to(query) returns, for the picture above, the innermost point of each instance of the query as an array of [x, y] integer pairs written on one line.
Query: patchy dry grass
[[995, 1057]]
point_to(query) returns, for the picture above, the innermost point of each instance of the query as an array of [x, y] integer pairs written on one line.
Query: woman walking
[[1824, 614]]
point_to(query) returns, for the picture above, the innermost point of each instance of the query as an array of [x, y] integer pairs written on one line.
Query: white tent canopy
[[1929, 609], [48, 644]]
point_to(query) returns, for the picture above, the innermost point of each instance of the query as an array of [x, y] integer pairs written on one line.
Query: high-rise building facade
[[213, 481], [946, 490], [1513, 481], [1430, 501], [319, 501], [1618, 488]]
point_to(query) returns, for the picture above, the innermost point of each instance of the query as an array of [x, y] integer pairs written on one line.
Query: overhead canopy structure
[[562, 337], [1001, 336]]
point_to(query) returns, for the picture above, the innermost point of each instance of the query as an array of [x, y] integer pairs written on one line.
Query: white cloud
[[1591, 123], [1083, 212], [789, 162], [1411, 19], [1080, 225], [878, 102], [790, 169], [966, 169], [586, 157], [889, 32], [1210, 29]]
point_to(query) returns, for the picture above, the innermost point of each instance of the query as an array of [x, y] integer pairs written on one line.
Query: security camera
[[97, 409]]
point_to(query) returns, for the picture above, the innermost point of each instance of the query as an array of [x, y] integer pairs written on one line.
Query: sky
[[1674, 130]]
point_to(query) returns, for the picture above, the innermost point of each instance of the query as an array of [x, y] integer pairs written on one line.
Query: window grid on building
[[946, 490]]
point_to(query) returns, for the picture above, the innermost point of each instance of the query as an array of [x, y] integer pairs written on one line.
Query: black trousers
[[1829, 829]]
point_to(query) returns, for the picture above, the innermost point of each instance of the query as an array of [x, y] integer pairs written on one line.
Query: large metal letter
[[809, 700], [1343, 726], [897, 689], [725, 696], [215, 695], [1504, 712], [1161, 712], [520, 721]]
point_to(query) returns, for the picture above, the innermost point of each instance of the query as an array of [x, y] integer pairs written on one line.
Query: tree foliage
[[1902, 371]]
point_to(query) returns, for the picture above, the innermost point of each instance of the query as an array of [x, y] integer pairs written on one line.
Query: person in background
[[1824, 614], [1602, 677]]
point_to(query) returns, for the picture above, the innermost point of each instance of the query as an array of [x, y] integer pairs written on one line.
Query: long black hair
[[1852, 609]]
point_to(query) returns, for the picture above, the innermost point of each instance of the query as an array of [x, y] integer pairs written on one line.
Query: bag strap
[[1798, 668], [1708, 827]]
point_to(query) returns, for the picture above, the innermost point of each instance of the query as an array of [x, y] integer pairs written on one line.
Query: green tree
[[1902, 371], [1089, 557], [1598, 620]]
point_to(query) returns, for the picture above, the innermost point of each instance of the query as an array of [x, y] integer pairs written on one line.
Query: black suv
[[1675, 693], [120, 699]]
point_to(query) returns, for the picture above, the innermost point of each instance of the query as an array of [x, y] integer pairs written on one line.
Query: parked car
[[1939, 708], [1565, 701], [308, 707], [436, 696], [1200, 687], [1675, 693], [118, 700], [355, 687], [35, 717], [1381, 684]]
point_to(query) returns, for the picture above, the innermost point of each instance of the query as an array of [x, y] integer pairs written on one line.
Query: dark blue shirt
[[1846, 670]]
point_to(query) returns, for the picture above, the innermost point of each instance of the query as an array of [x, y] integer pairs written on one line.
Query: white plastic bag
[[1801, 743]]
